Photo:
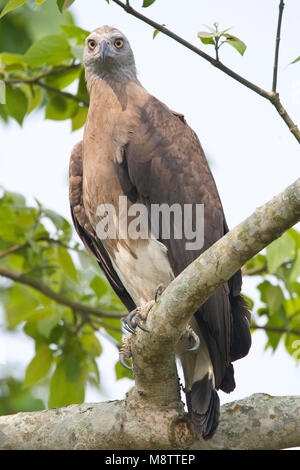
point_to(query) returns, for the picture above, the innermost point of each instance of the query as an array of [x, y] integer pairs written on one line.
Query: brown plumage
[[136, 146]]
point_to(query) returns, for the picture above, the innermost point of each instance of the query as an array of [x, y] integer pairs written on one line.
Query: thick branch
[[60, 299], [259, 422], [270, 96], [256, 422]]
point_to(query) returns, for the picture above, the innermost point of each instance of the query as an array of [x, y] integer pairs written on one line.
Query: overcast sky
[[253, 155]]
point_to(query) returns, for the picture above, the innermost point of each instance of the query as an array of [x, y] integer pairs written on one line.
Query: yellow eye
[[119, 43], [92, 44]]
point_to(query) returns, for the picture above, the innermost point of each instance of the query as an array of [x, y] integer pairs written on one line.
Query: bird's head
[[108, 53]]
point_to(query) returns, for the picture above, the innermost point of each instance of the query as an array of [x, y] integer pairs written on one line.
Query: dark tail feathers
[[204, 406]]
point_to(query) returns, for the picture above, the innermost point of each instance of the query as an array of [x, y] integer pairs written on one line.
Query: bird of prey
[[135, 146]]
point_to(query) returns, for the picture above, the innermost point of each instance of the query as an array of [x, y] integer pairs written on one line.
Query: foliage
[[217, 38], [279, 288], [14, 397], [38, 243], [36, 75]]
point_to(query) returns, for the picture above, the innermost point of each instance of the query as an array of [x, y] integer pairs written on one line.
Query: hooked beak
[[103, 50]]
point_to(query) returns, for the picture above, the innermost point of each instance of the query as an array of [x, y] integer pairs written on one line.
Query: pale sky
[[253, 154]]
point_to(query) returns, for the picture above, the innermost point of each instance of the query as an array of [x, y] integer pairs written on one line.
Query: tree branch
[[276, 329], [36, 80], [255, 271], [275, 70], [257, 422], [60, 299], [22, 246], [270, 96]]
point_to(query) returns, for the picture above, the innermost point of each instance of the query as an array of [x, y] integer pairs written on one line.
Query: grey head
[[108, 55]]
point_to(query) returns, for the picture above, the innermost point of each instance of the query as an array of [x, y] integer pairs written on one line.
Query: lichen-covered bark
[[110, 425], [257, 422]]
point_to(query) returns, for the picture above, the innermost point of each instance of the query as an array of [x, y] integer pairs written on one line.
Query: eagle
[[135, 147]]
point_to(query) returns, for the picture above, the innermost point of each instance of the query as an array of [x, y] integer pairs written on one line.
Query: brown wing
[[86, 232], [164, 163]]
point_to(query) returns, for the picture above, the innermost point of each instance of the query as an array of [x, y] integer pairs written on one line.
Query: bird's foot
[[193, 339], [137, 317], [125, 352]]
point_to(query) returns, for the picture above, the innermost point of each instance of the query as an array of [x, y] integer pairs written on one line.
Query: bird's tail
[[204, 406], [201, 396]]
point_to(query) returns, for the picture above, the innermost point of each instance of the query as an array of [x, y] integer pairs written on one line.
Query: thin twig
[[36, 80], [48, 73], [275, 70], [255, 271], [22, 246], [65, 94], [270, 96], [275, 329], [60, 299]]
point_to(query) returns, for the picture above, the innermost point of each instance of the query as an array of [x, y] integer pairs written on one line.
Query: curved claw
[[138, 323], [158, 291], [126, 322], [196, 345], [123, 363]]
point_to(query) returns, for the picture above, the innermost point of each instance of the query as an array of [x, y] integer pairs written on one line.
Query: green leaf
[[122, 373], [296, 237], [156, 31], [50, 50], [2, 93], [296, 60], [64, 79], [12, 5], [274, 298], [80, 117], [19, 302], [235, 42], [15, 61], [16, 103], [295, 273], [147, 3], [14, 397], [279, 250], [39, 366], [67, 263], [274, 337], [99, 286], [72, 31], [39, 2], [207, 40], [63, 391], [205, 34], [91, 344], [39, 314], [35, 99], [60, 108], [64, 4], [82, 92]]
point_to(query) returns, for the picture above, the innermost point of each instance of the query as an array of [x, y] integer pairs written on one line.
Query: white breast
[[142, 268]]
